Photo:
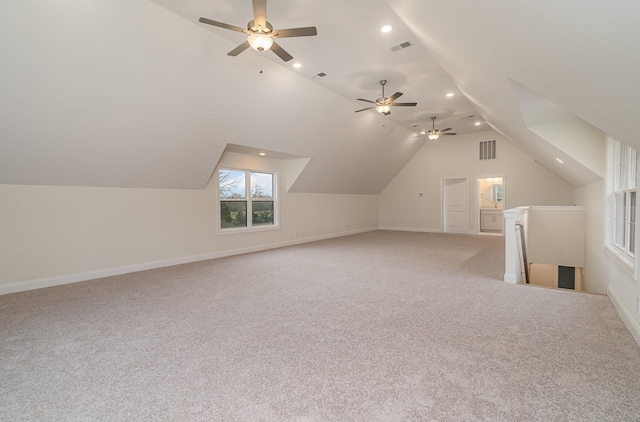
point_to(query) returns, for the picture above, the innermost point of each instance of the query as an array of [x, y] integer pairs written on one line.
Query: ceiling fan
[[261, 33], [435, 133], [383, 104]]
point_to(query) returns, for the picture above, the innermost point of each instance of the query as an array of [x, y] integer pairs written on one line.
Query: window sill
[[240, 230], [625, 262]]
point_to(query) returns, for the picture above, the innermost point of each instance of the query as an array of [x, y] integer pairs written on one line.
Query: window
[[624, 200], [247, 199]]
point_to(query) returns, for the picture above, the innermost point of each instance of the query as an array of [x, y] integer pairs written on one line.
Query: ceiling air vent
[[488, 150], [319, 75], [400, 46]]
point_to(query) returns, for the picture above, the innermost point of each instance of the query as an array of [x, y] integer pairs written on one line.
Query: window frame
[[622, 173], [250, 227]]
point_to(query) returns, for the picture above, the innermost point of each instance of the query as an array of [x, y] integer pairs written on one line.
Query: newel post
[[512, 263]]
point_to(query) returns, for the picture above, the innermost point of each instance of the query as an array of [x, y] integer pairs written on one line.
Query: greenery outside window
[[247, 199]]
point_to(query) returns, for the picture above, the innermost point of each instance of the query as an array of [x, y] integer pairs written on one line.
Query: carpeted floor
[[381, 326]]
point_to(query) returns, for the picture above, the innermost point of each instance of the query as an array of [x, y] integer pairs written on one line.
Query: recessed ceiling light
[[478, 123], [386, 28], [297, 65], [262, 154], [559, 160], [450, 94]]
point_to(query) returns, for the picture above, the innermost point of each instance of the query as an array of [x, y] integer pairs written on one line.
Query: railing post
[[512, 266]]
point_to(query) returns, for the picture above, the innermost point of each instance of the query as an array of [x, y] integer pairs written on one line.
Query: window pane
[[622, 166], [261, 185], [232, 184], [262, 213], [233, 214], [633, 162], [632, 222], [619, 223]]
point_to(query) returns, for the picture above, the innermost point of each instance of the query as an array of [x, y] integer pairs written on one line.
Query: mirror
[[494, 193]]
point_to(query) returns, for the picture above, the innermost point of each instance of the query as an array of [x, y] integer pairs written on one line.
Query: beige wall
[[595, 261], [555, 235], [602, 274], [525, 181], [54, 234]]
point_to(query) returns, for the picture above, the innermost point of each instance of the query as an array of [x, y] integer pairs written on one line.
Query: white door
[[455, 205]]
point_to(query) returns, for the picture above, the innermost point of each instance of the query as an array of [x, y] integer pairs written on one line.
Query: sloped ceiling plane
[[141, 94]]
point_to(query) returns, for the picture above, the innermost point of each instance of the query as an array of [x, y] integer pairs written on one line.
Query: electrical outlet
[[296, 234], [638, 304], [186, 248]]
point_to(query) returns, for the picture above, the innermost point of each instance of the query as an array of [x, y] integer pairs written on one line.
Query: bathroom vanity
[[491, 220]]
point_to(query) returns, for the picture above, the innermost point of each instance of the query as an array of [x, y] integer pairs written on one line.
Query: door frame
[[465, 204], [477, 203]]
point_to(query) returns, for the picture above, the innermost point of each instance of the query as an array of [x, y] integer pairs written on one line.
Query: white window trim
[[249, 228], [628, 263], [623, 260]]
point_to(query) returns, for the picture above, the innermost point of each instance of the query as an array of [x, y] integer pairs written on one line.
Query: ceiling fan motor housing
[[252, 27]]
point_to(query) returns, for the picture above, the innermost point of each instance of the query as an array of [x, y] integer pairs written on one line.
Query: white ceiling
[[140, 94], [353, 53], [583, 56]]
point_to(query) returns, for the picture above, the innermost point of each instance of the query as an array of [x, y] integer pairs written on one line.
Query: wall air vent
[[488, 150], [400, 46]]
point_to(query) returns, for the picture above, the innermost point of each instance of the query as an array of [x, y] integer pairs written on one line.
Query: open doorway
[[491, 202]]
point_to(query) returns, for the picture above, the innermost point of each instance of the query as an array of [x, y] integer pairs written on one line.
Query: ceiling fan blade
[[280, 52], [222, 25], [366, 101], [368, 108], [239, 49], [260, 13], [404, 104], [444, 130], [449, 133], [308, 31], [395, 96]]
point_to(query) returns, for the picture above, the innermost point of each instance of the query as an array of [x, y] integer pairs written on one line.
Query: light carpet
[[380, 326]]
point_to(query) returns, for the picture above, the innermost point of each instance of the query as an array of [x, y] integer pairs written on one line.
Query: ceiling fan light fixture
[[433, 136], [383, 109], [260, 41]]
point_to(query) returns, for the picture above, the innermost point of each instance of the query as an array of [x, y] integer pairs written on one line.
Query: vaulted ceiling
[[139, 94]]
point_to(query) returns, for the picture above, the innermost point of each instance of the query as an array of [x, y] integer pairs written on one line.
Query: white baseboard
[[624, 313], [411, 229], [510, 278], [23, 286]]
